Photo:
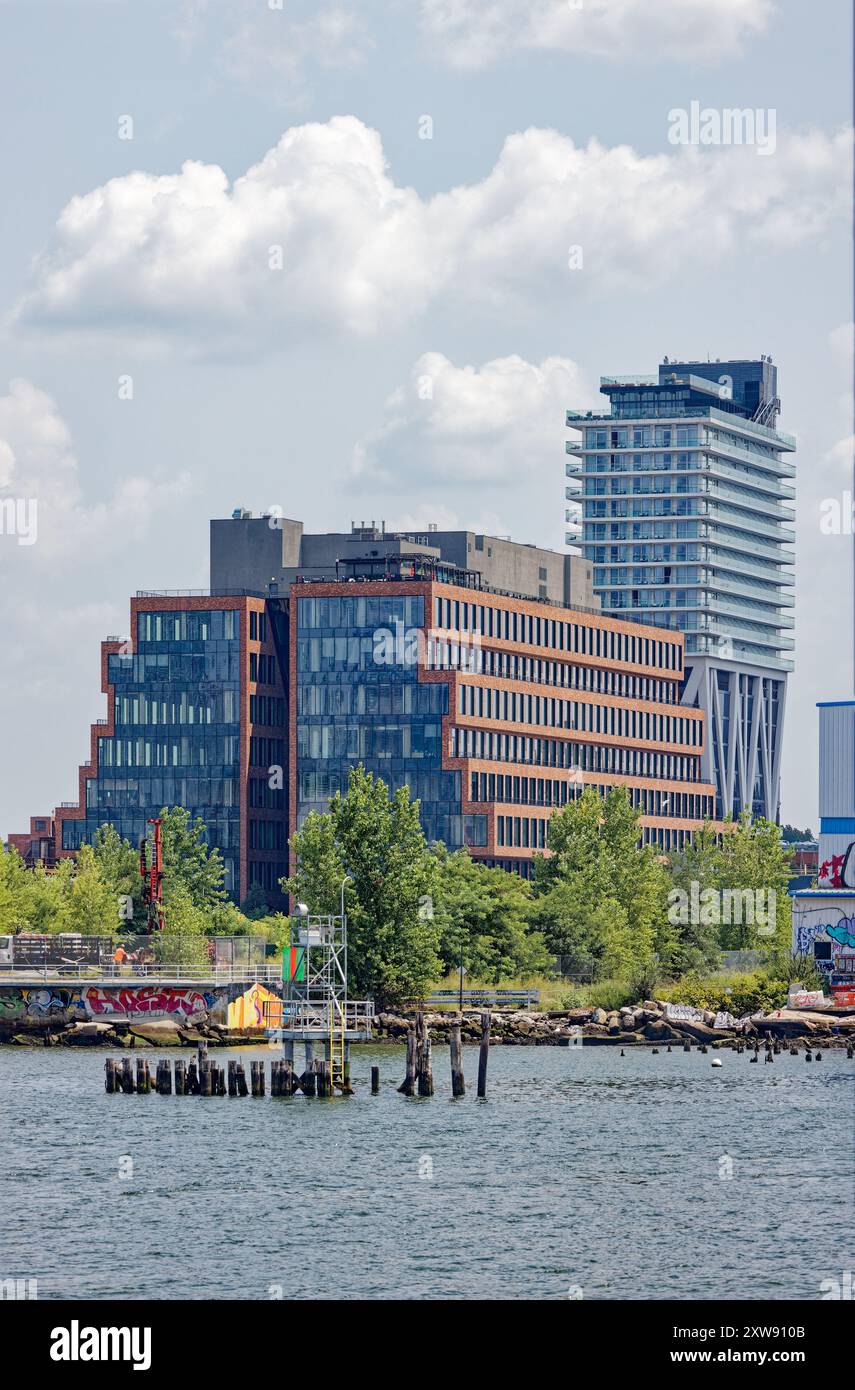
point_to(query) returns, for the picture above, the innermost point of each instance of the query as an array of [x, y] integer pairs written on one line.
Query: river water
[[583, 1174]]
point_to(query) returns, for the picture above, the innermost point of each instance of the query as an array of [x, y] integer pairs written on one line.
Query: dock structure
[[315, 1008]]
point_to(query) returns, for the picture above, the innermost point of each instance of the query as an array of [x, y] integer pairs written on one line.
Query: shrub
[[735, 994]]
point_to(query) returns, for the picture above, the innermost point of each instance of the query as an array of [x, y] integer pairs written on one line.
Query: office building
[[687, 521]]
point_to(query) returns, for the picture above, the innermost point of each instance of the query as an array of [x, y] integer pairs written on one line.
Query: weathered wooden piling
[[192, 1086], [242, 1088], [232, 1077], [458, 1085], [424, 1064], [483, 1054], [110, 1076], [140, 1076], [308, 1081], [127, 1080], [375, 1081], [205, 1077], [408, 1087], [180, 1078]]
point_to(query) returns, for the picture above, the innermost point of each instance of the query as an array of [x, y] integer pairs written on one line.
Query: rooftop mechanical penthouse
[[494, 707]]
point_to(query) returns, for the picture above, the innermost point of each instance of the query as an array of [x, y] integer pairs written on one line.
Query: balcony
[[727, 516]]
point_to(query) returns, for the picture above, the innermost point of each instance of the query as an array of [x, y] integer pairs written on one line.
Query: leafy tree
[[746, 857], [16, 897], [89, 905], [791, 836], [483, 916], [378, 840], [602, 898], [189, 863], [119, 865], [183, 940], [255, 905], [698, 946]]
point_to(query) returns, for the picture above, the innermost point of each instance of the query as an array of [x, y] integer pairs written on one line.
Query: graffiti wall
[[26, 1005], [247, 1011], [131, 1001]]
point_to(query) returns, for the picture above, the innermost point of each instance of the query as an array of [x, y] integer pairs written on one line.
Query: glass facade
[[687, 518], [687, 508], [359, 699], [177, 732]]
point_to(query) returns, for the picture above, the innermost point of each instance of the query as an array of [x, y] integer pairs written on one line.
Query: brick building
[[493, 707]]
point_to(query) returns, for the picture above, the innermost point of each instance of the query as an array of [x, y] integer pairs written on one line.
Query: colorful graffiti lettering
[[843, 931], [147, 999]]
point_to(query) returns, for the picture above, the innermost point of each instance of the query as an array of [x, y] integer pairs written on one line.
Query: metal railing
[[154, 973], [302, 1015]]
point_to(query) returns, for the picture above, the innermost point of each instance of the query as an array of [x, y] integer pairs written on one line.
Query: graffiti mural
[[247, 1011], [41, 1002], [838, 871], [146, 999]]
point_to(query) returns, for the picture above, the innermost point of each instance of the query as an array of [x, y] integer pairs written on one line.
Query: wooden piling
[[127, 1079], [375, 1081], [287, 1079], [205, 1078], [140, 1077], [483, 1055], [424, 1064], [180, 1078], [408, 1088], [110, 1076], [242, 1089], [308, 1081], [232, 1077], [193, 1087], [458, 1085]]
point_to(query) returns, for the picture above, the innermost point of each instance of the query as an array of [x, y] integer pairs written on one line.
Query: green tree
[[378, 840], [189, 863], [745, 858], [16, 895], [89, 905], [602, 897], [698, 947], [119, 864], [483, 916]]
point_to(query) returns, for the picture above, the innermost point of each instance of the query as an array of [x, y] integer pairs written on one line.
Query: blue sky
[[401, 258]]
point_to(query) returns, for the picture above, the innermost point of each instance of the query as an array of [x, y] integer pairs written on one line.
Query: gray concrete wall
[[247, 553]]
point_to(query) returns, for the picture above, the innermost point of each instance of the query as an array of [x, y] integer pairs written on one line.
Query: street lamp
[[348, 878]]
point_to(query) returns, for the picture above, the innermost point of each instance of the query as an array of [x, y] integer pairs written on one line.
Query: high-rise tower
[[687, 519]]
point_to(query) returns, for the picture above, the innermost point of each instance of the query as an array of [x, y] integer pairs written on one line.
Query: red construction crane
[[152, 877]]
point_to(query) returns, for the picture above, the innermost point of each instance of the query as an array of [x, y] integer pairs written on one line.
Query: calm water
[[581, 1169]]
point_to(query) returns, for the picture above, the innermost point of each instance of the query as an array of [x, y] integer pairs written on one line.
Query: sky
[[355, 260]]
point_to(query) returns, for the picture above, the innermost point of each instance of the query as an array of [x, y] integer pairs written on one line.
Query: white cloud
[[497, 424], [188, 254], [474, 33], [280, 47], [38, 466], [70, 591]]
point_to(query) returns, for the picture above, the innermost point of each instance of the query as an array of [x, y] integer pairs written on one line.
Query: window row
[[267, 709], [511, 789], [210, 751], [518, 707], [181, 707], [453, 615], [267, 834], [550, 752], [188, 626]]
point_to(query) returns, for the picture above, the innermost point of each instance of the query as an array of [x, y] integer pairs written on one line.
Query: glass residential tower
[[687, 518]]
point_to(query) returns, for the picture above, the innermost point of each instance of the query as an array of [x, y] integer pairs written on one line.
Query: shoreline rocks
[[640, 1025]]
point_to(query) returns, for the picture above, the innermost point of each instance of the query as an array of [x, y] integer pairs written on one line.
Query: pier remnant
[[483, 1054], [408, 1088], [458, 1085]]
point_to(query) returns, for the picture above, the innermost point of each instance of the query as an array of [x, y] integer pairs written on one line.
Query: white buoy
[[716, 1062]]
